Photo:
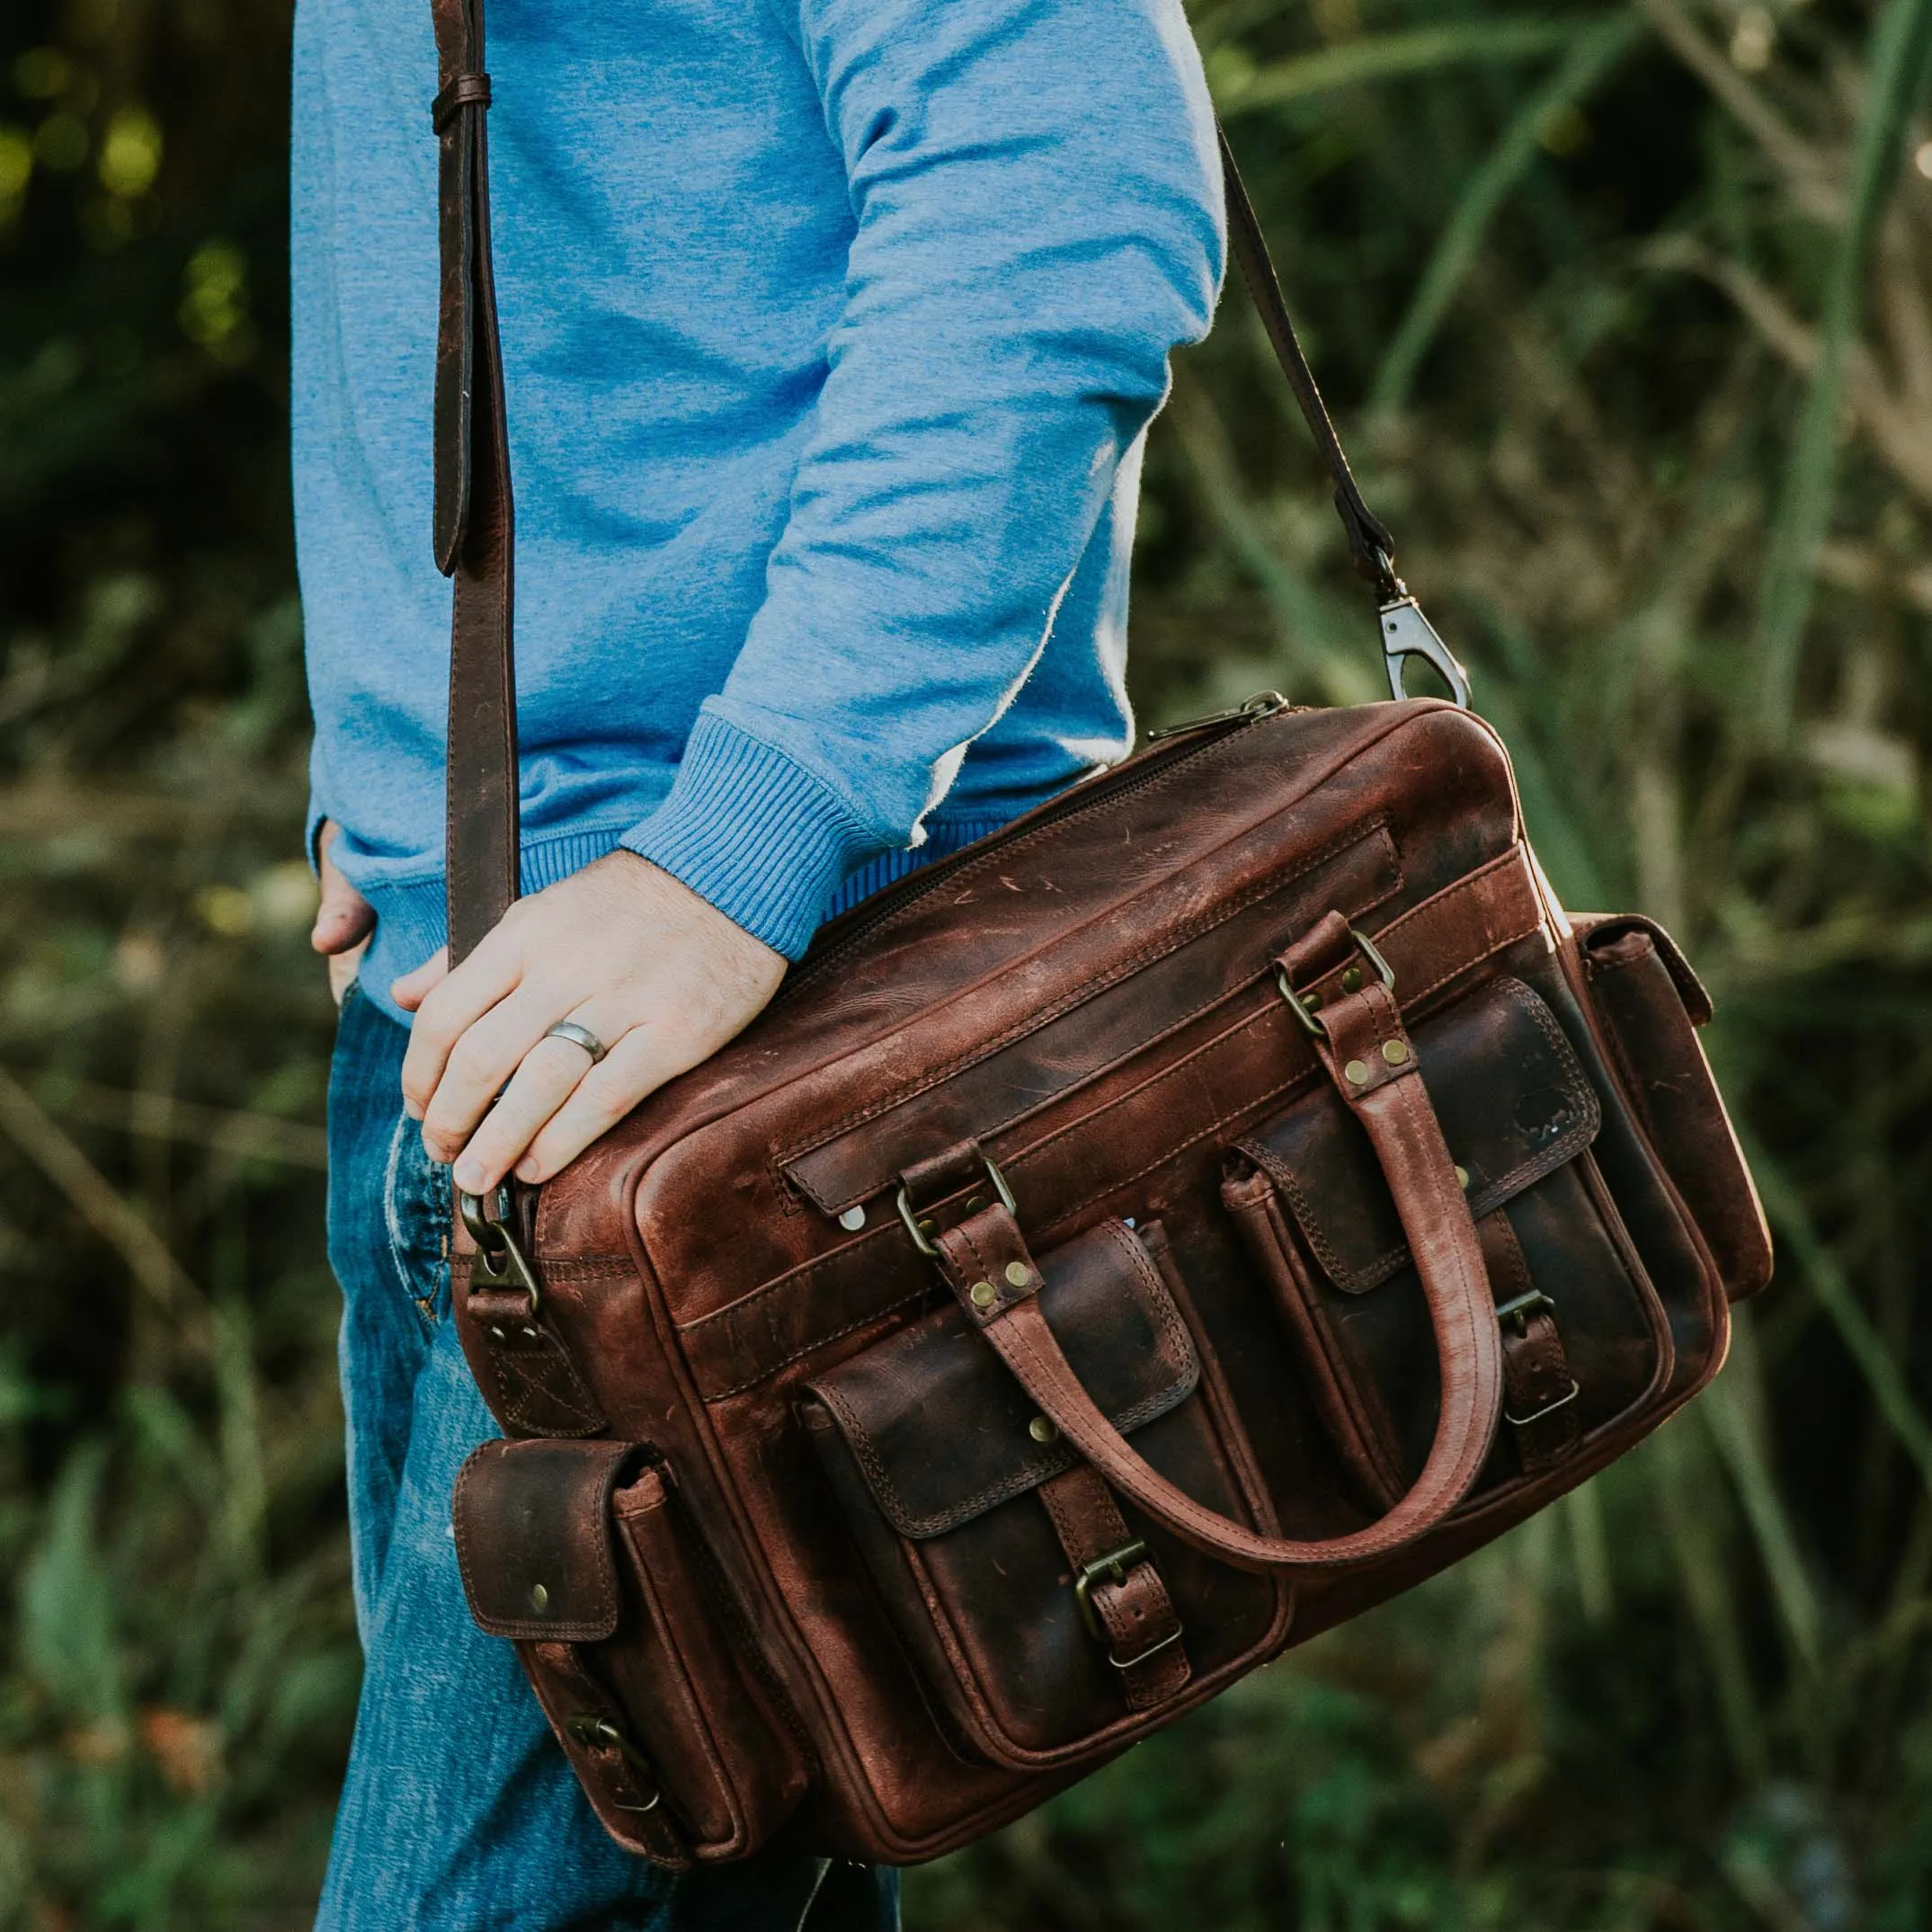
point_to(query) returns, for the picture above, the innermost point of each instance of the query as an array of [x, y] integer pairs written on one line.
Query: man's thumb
[[343, 919]]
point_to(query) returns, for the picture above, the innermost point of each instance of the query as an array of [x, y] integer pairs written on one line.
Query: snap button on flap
[[533, 1537], [1513, 1101], [937, 1430]]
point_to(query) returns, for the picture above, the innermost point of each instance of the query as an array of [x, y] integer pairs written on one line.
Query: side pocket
[[574, 1551], [740, 1772], [1650, 1005]]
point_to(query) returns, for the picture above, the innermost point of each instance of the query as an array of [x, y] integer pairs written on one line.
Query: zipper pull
[[1263, 704]]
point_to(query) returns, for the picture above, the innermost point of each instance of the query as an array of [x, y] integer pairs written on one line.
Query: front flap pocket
[[1051, 1622], [533, 1538], [1583, 1336], [942, 1432], [1514, 1106]]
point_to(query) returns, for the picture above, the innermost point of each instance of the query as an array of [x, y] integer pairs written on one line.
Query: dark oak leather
[[1066, 1294]]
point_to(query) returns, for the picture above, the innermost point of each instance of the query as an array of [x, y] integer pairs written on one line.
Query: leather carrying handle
[[475, 517], [1373, 1063]]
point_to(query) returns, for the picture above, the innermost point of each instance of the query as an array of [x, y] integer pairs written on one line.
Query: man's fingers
[[551, 1072], [638, 1065], [487, 1054], [450, 1008]]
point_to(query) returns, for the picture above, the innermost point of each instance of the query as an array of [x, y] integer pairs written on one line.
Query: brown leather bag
[[1123, 1249]]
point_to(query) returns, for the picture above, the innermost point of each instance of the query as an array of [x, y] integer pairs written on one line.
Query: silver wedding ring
[[568, 1030]]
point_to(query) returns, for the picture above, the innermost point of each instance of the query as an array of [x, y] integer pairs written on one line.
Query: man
[[832, 330]]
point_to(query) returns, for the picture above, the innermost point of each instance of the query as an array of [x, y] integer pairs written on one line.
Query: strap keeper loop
[[466, 90]]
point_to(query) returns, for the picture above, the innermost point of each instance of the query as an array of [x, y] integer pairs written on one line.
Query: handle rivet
[[1351, 981], [1358, 1073], [540, 1598], [1019, 1274], [1395, 1052], [1462, 1177], [1041, 1428], [983, 1294], [853, 1218]]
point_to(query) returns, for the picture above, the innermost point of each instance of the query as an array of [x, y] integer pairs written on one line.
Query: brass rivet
[[1462, 1177], [928, 1227], [540, 1597], [1041, 1428], [1351, 981], [1358, 1073], [1395, 1051], [1018, 1273], [529, 1330], [1313, 1001], [984, 1293], [853, 1218], [974, 1206], [497, 1332]]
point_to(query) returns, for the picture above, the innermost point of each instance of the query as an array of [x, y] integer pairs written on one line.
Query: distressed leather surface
[[698, 1285]]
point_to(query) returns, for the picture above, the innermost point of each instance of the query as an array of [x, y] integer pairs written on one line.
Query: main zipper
[[1142, 768]]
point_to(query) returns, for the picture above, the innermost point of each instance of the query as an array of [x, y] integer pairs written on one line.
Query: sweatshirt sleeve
[[1038, 208]]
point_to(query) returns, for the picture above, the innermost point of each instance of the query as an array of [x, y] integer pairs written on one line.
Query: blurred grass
[[1629, 309]]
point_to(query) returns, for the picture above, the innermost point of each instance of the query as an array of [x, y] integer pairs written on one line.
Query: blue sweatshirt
[[832, 331]]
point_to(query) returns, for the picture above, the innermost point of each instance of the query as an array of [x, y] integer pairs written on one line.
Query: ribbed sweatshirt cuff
[[758, 836]]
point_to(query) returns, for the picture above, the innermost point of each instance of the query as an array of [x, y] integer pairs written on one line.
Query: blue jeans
[[458, 1812]]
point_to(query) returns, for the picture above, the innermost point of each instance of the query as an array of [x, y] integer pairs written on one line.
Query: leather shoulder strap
[[475, 521], [1369, 542], [473, 518]]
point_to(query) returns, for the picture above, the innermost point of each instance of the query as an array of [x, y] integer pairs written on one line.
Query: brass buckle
[[1112, 1568], [500, 1263], [1520, 1308], [1307, 1007], [591, 1730], [913, 1228]]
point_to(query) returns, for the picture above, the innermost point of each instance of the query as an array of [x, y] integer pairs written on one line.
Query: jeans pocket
[[416, 1195]]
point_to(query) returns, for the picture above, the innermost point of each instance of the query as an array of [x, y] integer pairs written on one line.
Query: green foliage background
[[1628, 309]]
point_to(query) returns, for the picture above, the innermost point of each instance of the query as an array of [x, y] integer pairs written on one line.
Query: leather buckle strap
[[619, 1780], [466, 90], [1122, 1597], [1306, 1007], [1540, 1388], [1110, 1567], [932, 1179]]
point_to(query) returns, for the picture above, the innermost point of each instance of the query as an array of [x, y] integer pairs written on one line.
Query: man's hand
[[343, 920], [658, 975]]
